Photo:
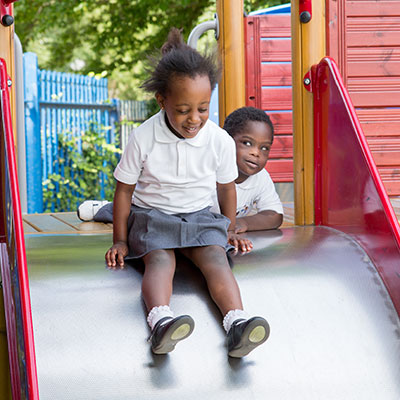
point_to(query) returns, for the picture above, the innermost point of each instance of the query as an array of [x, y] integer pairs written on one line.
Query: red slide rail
[[349, 194], [13, 262]]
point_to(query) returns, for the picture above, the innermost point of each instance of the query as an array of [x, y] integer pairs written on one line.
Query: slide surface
[[334, 330]]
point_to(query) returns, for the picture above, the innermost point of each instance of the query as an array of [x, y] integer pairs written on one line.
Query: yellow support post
[[231, 89], [308, 47]]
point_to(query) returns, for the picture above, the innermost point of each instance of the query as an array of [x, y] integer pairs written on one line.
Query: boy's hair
[[237, 120], [179, 60]]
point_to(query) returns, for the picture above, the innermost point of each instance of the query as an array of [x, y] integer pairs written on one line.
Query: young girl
[[173, 162], [253, 133]]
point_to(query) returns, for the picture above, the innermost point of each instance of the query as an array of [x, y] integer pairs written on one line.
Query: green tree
[[107, 36]]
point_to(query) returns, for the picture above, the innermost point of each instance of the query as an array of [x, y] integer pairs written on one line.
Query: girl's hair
[[179, 60], [237, 120]]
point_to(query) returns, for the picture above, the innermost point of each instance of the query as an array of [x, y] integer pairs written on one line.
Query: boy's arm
[[121, 210], [227, 204], [263, 220]]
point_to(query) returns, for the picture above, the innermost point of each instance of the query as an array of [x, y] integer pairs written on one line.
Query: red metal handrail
[[19, 243]]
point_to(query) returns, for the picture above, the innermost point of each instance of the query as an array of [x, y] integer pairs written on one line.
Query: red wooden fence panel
[[268, 84], [364, 39]]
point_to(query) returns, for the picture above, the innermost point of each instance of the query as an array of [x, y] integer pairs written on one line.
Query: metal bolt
[[7, 20], [305, 17], [9, 82], [307, 81]]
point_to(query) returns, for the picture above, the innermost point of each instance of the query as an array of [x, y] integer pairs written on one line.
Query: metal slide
[[334, 331]]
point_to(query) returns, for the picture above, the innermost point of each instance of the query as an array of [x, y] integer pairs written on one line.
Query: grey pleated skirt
[[150, 229]]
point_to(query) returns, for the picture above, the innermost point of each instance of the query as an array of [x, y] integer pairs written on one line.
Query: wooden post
[[231, 88], [308, 47]]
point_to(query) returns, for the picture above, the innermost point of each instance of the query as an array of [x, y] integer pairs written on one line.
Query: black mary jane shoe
[[245, 335], [169, 331]]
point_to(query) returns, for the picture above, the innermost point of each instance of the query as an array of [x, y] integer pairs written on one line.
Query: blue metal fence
[[58, 103]]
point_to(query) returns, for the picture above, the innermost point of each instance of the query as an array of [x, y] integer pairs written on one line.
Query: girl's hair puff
[[179, 60], [237, 120]]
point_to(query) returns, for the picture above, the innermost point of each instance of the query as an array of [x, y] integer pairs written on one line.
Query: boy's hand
[[241, 225], [241, 244], [115, 255]]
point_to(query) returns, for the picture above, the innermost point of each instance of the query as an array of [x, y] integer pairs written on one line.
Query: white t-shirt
[[257, 193], [176, 175]]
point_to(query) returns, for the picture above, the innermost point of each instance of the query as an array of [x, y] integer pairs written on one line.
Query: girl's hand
[[115, 255], [242, 244]]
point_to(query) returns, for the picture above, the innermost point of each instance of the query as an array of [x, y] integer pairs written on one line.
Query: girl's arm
[[121, 210], [263, 220], [227, 204]]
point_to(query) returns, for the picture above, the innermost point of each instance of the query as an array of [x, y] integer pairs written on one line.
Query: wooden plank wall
[[268, 84], [363, 36]]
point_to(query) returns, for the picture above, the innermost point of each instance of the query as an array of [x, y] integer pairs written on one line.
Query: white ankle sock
[[231, 316], [157, 313]]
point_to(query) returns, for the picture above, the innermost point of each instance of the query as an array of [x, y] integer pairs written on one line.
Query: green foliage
[[84, 164], [110, 37]]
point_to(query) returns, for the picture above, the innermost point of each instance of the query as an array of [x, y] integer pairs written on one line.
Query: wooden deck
[[61, 223], [69, 223]]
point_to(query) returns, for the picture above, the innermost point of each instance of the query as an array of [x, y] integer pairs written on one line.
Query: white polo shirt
[[176, 175]]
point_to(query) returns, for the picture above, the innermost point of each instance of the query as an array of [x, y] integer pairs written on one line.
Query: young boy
[[258, 204]]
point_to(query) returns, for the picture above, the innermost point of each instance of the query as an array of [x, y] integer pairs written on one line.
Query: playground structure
[[330, 286]]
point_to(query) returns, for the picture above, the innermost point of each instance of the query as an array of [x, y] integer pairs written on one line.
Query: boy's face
[[187, 105], [252, 148]]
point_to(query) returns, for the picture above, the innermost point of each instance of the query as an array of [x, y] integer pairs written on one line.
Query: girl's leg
[[243, 334], [213, 263], [158, 277], [166, 331]]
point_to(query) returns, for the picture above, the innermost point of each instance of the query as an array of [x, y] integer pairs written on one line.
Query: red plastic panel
[[13, 264], [349, 192]]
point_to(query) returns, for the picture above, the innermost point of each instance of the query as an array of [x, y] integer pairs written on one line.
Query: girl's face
[[252, 148], [187, 105]]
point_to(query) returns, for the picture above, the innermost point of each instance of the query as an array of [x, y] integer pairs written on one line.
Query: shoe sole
[[255, 333], [179, 330]]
